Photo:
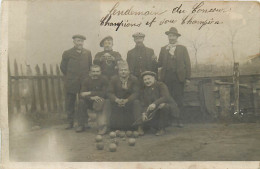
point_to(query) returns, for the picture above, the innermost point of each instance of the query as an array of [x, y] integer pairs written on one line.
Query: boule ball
[[112, 134], [117, 133], [131, 142], [112, 147], [100, 146], [135, 134], [99, 138], [122, 134], [129, 133]]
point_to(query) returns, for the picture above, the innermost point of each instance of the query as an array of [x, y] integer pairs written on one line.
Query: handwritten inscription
[[198, 14]]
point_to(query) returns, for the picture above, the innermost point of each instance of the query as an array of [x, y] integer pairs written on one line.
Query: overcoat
[[75, 67], [183, 65], [140, 59]]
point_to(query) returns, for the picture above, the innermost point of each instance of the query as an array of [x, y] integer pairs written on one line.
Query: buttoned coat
[[183, 65], [75, 67], [147, 62]]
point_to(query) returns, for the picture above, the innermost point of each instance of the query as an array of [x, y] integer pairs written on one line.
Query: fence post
[[46, 87], [53, 88], [236, 86], [17, 90], [59, 88], [39, 85], [32, 88], [10, 95]]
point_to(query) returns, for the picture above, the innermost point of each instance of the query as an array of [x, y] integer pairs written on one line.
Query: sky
[[39, 31]]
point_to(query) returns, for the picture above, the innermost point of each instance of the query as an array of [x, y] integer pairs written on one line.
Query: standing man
[[123, 93], [141, 58], [92, 96], [75, 66], [107, 59], [175, 66]]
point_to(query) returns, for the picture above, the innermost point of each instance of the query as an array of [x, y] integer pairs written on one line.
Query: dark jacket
[[108, 70], [97, 87], [156, 94], [139, 59], [75, 67], [115, 89], [183, 65]]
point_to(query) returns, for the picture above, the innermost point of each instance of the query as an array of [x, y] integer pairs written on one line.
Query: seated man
[[157, 103], [123, 92], [92, 96]]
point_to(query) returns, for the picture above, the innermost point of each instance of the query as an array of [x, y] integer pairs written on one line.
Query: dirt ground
[[211, 142]]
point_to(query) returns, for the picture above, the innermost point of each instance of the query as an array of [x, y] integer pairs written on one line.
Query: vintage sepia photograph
[[132, 81]]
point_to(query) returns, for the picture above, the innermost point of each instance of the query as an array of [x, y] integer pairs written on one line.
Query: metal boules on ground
[[100, 145], [122, 134], [99, 138], [129, 133], [112, 147], [135, 134], [131, 142], [112, 134]]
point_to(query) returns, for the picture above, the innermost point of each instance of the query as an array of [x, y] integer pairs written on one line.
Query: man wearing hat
[[141, 58], [123, 93], [175, 66], [75, 65], [92, 96], [108, 58], [155, 99]]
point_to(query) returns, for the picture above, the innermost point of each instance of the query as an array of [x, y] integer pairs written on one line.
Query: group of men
[[123, 92]]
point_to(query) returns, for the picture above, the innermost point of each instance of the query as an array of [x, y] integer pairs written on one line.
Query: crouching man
[[123, 92], [92, 96], [158, 106]]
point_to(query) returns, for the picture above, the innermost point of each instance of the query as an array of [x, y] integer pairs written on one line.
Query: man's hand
[[151, 107], [161, 105], [84, 94], [154, 58], [187, 82], [144, 116], [96, 98]]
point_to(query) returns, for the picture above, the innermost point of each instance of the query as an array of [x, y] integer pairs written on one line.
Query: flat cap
[[148, 73], [138, 34], [79, 36], [103, 40]]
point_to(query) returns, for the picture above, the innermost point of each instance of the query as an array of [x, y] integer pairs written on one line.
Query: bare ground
[[201, 142]]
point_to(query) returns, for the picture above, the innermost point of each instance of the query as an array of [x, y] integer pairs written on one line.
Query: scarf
[[124, 82], [171, 48]]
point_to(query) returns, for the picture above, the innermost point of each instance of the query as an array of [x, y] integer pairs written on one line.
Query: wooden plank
[[32, 104], [60, 101], [236, 87], [24, 91], [17, 89], [54, 101], [39, 85], [29, 96], [224, 92], [10, 95], [47, 88]]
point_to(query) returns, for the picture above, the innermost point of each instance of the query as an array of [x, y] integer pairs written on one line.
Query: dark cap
[[173, 30], [79, 36], [103, 40], [138, 34], [148, 73]]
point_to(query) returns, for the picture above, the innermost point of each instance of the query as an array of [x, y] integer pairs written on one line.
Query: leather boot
[[80, 129], [70, 126], [102, 131], [160, 132]]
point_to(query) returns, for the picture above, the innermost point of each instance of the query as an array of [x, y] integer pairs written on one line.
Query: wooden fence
[[42, 90], [35, 91]]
